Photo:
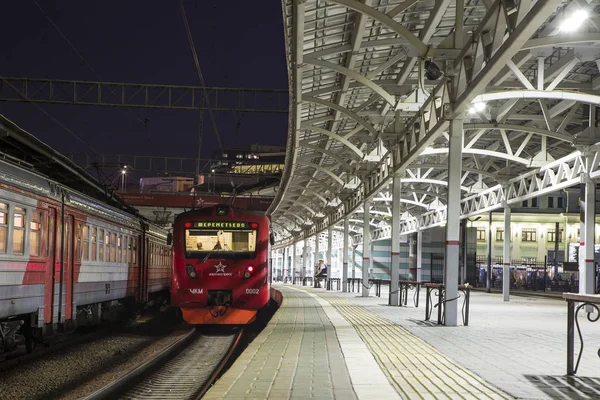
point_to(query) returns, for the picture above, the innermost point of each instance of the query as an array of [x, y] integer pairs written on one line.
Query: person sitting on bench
[[321, 273]]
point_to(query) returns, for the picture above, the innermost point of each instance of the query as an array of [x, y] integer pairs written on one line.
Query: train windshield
[[220, 239]]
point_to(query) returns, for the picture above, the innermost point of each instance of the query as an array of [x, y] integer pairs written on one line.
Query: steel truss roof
[[363, 111]]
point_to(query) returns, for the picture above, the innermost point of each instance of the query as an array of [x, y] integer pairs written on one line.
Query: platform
[[327, 345]]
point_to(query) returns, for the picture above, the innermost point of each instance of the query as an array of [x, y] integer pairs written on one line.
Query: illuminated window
[[85, 249], [529, 235], [35, 234], [551, 237], [3, 226], [100, 245], [94, 244], [480, 235], [124, 249], [19, 231], [119, 245], [113, 248], [499, 234]]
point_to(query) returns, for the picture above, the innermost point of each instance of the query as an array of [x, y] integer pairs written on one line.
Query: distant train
[[66, 257], [220, 268]]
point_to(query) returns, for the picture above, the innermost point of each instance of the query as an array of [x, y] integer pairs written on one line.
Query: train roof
[[22, 148]]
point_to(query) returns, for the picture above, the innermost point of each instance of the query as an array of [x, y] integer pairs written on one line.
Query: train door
[[51, 263], [68, 270], [141, 265]]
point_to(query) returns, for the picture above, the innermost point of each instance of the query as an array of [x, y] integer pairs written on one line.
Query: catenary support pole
[[453, 222]]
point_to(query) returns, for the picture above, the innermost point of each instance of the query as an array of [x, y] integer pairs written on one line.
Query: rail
[[590, 302]]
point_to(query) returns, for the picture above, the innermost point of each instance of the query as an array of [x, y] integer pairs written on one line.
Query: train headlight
[[191, 271], [249, 270]]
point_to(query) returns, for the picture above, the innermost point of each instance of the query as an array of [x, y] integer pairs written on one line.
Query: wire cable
[[200, 76]]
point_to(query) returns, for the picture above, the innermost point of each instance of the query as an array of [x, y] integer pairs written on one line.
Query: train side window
[[94, 244], [100, 244], [19, 231], [124, 249], [85, 249], [3, 227], [35, 234], [107, 246], [113, 248], [119, 245]]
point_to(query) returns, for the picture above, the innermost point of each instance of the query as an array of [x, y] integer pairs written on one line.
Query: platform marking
[[368, 380], [415, 369]]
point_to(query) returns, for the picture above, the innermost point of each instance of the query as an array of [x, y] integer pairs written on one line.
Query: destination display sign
[[224, 225]]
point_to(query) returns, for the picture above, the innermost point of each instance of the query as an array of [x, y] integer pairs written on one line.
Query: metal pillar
[[453, 222], [317, 252], [506, 255], [395, 256], [419, 253], [354, 248], [305, 258], [329, 262], [488, 285], [366, 249], [586, 265], [293, 266], [345, 254]]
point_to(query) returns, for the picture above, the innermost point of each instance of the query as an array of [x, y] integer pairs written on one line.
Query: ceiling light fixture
[[574, 22]]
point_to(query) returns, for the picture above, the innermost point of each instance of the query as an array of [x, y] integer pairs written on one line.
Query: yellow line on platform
[[414, 368]]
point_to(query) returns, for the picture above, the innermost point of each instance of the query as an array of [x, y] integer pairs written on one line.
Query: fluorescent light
[[477, 107], [575, 21]]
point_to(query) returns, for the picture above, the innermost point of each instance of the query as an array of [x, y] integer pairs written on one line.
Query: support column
[[506, 255], [345, 254], [586, 265], [455, 147], [488, 285], [419, 253], [294, 266], [395, 256], [305, 258], [329, 262], [366, 248], [317, 251]]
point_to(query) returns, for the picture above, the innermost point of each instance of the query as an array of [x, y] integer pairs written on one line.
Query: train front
[[220, 268]]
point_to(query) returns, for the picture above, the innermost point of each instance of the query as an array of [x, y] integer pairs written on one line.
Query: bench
[[589, 301], [331, 282], [439, 290]]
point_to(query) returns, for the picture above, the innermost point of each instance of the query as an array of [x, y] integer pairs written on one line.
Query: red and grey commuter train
[[66, 257], [220, 265]]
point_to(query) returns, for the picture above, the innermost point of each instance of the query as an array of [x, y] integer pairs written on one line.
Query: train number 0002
[[252, 291]]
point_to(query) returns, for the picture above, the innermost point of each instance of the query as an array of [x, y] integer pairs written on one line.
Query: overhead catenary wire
[[200, 76], [72, 46]]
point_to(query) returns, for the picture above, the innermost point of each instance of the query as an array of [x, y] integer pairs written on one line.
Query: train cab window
[[85, 249], [3, 227], [35, 234], [113, 248], [100, 245], [19, 231], [94, 244]]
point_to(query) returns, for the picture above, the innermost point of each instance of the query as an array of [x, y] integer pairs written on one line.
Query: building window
[[480, 235], [534, 202], [551, 237], [499, 234], [524, 203], [3, 226], [550, 202], [559, 202], [35, 234], [529, 235], [19, 231]]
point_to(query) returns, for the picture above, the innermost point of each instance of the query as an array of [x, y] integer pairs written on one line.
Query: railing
[[590, 302]]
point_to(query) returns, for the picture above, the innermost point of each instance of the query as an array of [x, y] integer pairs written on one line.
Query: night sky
[[239, 44]]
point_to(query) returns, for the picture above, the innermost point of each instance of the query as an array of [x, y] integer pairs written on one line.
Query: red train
[[66, 257], [220, 265]]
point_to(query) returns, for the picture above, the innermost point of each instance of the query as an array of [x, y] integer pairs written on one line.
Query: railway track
[[184, 370]]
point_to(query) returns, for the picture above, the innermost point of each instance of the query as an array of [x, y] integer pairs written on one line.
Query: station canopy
[[375, 85]]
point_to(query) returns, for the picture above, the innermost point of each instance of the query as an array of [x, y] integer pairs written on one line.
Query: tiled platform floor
[[330, 345]]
